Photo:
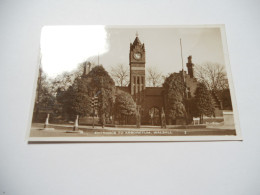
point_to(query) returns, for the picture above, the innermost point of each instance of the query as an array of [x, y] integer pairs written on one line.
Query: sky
[[64, 47]]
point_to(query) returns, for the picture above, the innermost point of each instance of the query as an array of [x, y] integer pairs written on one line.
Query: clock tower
[[137, 69]]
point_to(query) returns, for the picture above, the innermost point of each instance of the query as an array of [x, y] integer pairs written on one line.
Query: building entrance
[[154, 114]]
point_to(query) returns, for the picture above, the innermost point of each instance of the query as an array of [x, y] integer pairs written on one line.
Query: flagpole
[[182, 62], [181, 56], [183, 70]]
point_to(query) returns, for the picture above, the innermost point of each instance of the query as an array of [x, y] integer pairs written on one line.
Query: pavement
[[61, 130]]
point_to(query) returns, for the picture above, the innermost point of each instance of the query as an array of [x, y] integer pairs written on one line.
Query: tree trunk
[[103, 120], [201, 119], [113, 119]]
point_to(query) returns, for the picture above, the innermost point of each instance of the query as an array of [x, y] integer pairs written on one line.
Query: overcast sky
[[64, 47]]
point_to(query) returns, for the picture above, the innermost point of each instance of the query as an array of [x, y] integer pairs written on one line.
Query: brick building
[[150, 100]]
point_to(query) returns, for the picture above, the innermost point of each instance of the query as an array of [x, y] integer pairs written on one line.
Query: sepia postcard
[[133, 83]]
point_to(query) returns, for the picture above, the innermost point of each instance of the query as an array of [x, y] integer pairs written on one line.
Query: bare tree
[[212, 75], [154, 77], [120, 74], [64, 80]]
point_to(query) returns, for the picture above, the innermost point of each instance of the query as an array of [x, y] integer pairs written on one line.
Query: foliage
[[100, 84], [75, 100], [44, 99], [64, 98], [124, 104], [63, 81], [174, 88], [65, 95], [192, 107], [163, 120], [212, 75], [226, 99], [80, 100], [203, 100]]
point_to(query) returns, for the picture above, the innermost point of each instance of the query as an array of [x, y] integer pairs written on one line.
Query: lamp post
[[46, 124], [76, 124]]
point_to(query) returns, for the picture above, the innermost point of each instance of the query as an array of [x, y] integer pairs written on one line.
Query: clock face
[[137, 56]]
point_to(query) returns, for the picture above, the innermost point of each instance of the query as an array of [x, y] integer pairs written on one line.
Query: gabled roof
[[137, 41]]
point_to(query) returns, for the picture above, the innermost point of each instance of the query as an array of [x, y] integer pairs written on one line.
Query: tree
[[75, 100], [203, 101], [174, 90], [212, 75], [154, 77], [44, 99], [100, 84], [66, 79], [226, 99], [120, 74], [64, 98], [215, 78], [163, 121], [80, 99], [124, 105], [70, 90], [62, 82], [44, 96]]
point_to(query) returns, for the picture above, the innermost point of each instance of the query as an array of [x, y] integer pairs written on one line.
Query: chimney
[[190, 67], [86, 70]]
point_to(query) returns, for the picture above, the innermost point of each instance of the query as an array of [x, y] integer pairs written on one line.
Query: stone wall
[[228, 118]]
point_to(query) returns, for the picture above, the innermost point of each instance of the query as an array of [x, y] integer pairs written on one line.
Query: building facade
[[151, 100]]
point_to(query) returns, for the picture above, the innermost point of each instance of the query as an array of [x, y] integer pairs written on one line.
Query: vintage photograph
[[133, 83]]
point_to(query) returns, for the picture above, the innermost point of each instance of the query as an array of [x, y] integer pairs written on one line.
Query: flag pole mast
[[183, 68], [181, 56]]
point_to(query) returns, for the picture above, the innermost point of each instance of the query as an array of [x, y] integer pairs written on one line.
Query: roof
[[137, 41]]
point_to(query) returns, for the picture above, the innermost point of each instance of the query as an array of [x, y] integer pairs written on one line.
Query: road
[[87, 131]]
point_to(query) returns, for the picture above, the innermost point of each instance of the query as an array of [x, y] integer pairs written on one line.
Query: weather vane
[[136, 34]]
